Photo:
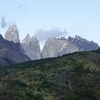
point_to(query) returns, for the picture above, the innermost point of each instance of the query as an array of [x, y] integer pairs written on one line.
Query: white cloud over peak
[[43, 35]]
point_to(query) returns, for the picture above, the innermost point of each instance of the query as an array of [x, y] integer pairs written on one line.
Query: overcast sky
[[52, 18]]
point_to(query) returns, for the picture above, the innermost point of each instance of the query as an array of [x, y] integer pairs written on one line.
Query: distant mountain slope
[[55, 47], [32, 47], [83, 44], [11, 52], [12, 34]]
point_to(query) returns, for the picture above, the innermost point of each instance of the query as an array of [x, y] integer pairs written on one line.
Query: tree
[[79, 82]]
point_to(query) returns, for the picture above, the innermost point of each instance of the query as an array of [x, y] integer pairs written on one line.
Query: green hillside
[[73, 76]]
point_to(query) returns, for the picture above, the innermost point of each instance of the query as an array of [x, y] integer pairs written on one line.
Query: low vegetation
[[70, 77]]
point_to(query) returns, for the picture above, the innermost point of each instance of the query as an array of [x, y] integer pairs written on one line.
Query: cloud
[[20, 6], [3, 22], [25, 8], [43, 35]]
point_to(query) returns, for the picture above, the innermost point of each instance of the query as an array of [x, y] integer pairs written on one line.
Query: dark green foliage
[[96, 51], [17, 82], [78, 83], [62, 78]]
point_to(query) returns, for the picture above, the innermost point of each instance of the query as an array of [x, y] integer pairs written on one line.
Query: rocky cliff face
[[11, 53], [83, 44], [31, 47], [12, 34], [51, 48], [55, 47], [67, 48]]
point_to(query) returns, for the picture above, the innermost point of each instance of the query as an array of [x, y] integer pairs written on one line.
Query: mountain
[[12, 34], [55, 47], [31, 47], [82, 43], [11, 53], [59, 46]]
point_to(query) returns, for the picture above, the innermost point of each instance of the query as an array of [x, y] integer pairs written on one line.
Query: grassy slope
[[32, 78]]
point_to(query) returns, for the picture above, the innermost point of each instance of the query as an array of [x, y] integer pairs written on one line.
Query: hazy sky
[[48, 18]]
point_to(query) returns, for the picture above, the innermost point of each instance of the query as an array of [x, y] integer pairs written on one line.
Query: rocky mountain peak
[[35, 39], [82, 43], [77, 37], [12, 34], [13, 27], [11, 51], [31, 47], [62, 38], [57, 47], [26, 39], [51, 39]]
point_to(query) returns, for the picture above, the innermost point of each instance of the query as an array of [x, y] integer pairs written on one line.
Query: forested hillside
[[73, 76]]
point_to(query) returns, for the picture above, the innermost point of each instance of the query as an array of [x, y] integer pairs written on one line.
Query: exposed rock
[[12, 34], [62, 38], [31, 47], [67, 48], [55, 47], [51, 48], [11, 53], [83, 44]]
